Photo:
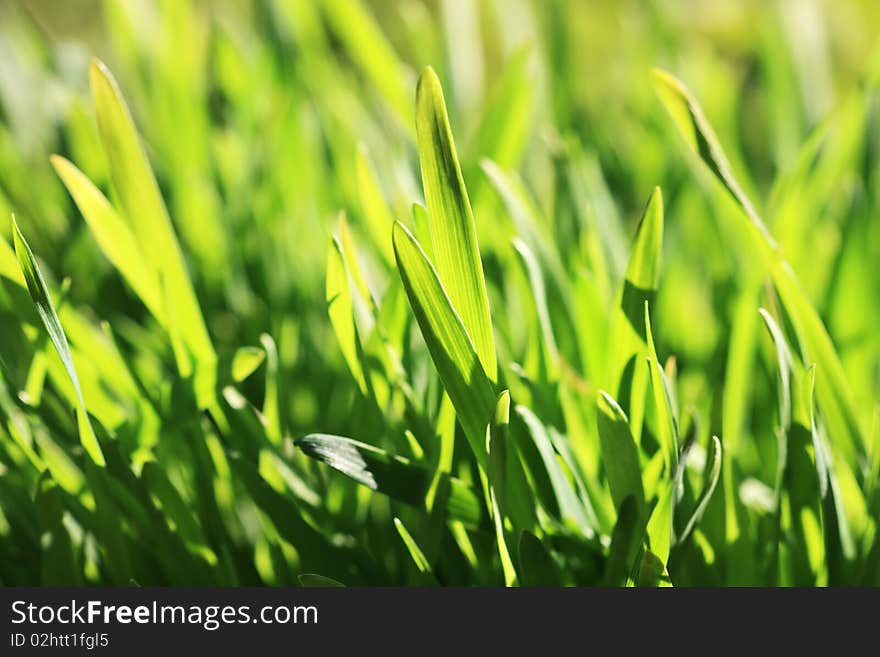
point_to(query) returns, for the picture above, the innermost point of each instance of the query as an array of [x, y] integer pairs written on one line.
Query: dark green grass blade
[[536, 566], [391, 475]]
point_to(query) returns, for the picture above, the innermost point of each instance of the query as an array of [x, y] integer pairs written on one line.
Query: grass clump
[[324, 321]]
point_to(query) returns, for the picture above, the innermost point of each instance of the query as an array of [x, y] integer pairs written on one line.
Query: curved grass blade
[[40, 294], [785, 361], [391, 475], [112, 234], [147, 215], [643, 268], [694, 127], [844, 510], [832, 388], [414, 550], [313, 580], [710, 481], [453, 232], [245, 362], [619, 454], [539, 295], [570, 506], [528, 221], [627, 373], [667, 424], [340, 307], [447, 340]]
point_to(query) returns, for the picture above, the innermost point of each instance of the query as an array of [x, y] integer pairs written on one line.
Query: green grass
[[397, 293]]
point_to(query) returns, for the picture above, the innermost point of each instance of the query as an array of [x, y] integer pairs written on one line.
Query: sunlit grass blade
[[499, 452], [40, 294], [832, 389], [62, 468], [147, 215], [626, 372], [453, 232], [9, 268], [696, 131], [340, 307], [449, 344], [659, 535], [620, 456], [113, 235], [785, 362], [418, 557], [667, 423], [535, 277], [245, 362]]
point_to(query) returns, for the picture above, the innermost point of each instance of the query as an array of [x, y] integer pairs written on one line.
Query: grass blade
[[497, 448], [414, 550], [391, 475], [145, 211], [448, 341], [659, 535], [710, 481], [340, 308], [620, 456], [627, 373], [40, 294], [832, 388], [113, 236], [694, 127], [626, 539], [313, 580], [453, 232], [570, 507], [667, 425], [539, 295], [535, 563]]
